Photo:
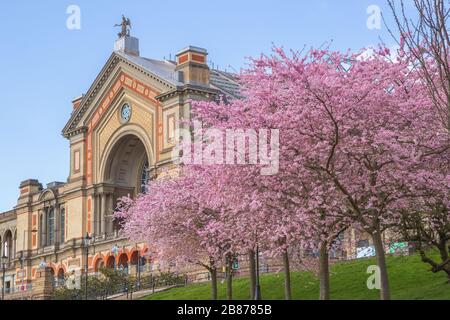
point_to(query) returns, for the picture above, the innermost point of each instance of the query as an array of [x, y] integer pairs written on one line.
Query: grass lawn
[[409, 278]]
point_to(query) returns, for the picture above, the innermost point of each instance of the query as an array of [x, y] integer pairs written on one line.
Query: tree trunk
[[229, 269], [381, 262], [443, 250], [446, 269], [213, 273], [287, 276], [324, 272], [252, 270]]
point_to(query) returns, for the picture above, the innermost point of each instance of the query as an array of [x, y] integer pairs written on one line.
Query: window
[[62, 226], [51, 227], [41, 227], [145, 177]]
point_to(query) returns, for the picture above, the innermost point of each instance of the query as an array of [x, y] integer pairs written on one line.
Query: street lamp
[[115, 250], [138, 268], [86, 243], [4, 257]]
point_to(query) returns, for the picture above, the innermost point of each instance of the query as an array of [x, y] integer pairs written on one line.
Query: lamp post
[[86, 243], [115, 250], [4, 257], [138, 268]]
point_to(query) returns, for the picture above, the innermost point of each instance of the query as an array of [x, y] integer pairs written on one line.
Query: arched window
[[61, 277], [8, 245], [62, 226], [51, 227], [42, 229], [145, 177]]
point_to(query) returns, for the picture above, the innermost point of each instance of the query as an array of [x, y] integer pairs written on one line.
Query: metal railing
[[123, 285]]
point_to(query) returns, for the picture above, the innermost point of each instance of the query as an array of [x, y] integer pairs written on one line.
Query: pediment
[[118, 73], [47, 195]]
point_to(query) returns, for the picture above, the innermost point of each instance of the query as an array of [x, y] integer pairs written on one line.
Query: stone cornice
[[76, 131], [91, 94], [188, 89], [7, 216]]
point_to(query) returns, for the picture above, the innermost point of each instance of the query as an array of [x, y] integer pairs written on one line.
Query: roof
[[225, 82], [161, 68]]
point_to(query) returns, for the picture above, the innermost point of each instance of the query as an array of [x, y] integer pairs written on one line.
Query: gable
[[116, 66]]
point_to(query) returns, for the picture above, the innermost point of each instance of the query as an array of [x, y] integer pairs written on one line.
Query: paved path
[[138, 294]]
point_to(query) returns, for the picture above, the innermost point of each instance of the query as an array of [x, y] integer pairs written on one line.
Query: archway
[[7, 247], [126, 164], [54, 280], [134, 258], [123, 261], [125, 168], [100, 264], [61, 277], [110, 262]]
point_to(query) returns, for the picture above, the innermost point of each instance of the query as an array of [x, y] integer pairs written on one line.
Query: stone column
[[43, 237], [57, 226], [95, 215], [14, 243], [103, 213], [39, 229], [110, 213]]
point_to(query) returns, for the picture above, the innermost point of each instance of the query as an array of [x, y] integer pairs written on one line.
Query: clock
[[125, 113]]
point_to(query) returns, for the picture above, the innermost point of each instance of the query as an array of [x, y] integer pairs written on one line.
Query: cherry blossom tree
[[348, 131], [425, 215], [276, 205], [183, 220], [340, 119], [425, 37], [425, 42]]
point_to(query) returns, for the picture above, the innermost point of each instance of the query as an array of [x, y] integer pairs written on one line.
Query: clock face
[[125, 112]]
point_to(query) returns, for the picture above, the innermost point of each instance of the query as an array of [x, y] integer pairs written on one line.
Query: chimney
[[192, 67], [77, 101], [128, 45], [29, 187]]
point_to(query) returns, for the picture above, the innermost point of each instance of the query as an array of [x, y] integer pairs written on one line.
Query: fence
[[111, 283]]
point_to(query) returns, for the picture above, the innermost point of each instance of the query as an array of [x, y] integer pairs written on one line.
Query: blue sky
[[44, 65]]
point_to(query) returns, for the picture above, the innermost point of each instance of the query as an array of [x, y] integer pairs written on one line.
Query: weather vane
[[126, 26]]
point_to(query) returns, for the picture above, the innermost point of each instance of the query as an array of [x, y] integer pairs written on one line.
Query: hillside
[[409, 277]]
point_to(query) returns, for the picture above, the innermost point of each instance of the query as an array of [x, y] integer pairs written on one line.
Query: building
[[121, 134]]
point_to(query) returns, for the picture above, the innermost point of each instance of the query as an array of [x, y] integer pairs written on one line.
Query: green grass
[[409, 279]]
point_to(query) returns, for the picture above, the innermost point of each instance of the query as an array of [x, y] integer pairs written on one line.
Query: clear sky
[[44, 65]]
